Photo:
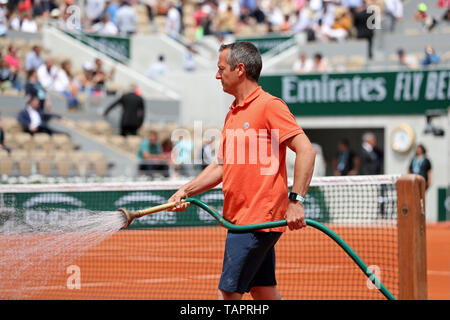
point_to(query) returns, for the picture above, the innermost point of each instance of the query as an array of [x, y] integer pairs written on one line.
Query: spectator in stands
[[445, 17], [158, 69], [189, 59], [431, 57], [44, 7], [423, 17], [198, 13], [346, 161], [393, 12], [340, 29], [302, 64], [126, 18], [34, 88], [24, 22], [111, 8], [406, 60], [421, 165], [303, 22], [133, 111], [173, 22], [24, 5], [167, 147], [33, 59], [2, 138], [352, 5], [274, 16], [12, 62], [33, 119], [182, 156], [64, 84], [100, 76], [152, 156], [46, 74], [105, 26], [316, 5], [286, 25], [151, 148], [85, 80], [320, 64], [361, 19], [250, 4], [258, 14], [5, 76], [94, 9], [3, 18], [227, 21], [371, 156], [246, 17], [320, 31]]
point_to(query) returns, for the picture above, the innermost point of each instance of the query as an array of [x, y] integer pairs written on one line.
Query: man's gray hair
[[246, 53], [368, 136]]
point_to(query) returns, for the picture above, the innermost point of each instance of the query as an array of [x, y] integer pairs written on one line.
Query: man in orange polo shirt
[[251, 165]]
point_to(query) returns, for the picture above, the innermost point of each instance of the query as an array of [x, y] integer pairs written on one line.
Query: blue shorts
[[249, 261]]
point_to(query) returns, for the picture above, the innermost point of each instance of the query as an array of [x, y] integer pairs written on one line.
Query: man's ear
[[241, 69]]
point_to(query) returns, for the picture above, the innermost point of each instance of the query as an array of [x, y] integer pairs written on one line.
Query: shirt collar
[[31, 110], [255, 94]]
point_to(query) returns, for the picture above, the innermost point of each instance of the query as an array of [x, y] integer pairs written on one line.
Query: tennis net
[[170, 255]]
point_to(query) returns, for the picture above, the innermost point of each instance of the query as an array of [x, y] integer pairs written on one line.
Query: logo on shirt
[[246, 125]]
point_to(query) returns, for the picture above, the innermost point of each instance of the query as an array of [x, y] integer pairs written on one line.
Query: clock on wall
[[402, 138]]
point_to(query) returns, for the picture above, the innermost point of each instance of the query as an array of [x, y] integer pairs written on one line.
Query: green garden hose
[[280, 223]]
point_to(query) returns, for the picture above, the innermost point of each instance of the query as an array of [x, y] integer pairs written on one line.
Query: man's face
[[342, 147], [153, 138], [229, 78], [34, 103]]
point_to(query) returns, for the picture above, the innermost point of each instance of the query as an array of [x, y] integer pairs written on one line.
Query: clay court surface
[[185, 263]]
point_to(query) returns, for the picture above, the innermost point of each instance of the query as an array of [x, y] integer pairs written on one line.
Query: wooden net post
[[412, 260]]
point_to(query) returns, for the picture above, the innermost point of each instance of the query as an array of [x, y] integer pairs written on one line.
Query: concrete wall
[[202, 98], [145, 49], [438, 148]]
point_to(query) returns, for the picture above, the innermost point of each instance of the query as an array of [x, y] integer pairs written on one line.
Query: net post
[[412, 263]]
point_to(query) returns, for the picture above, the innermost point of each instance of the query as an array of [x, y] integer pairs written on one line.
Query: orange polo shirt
[[253, 156]]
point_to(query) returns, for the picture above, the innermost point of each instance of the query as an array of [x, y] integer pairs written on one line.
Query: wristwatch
[[296, 197]]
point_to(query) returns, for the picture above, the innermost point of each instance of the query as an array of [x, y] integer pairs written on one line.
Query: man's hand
[[177, 197], [295, 216]]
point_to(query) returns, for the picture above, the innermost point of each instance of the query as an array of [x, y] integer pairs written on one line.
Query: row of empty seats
[[64, 164], [39, 141], [102, 132]]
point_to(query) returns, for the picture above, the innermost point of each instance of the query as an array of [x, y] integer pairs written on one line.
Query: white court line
[[203, 277], [438, 273], [175, 259]]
